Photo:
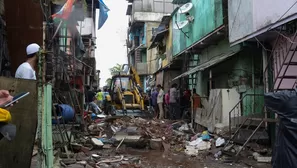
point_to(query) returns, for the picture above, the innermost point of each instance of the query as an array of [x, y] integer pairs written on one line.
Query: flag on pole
[[65, 11], [103, 9]]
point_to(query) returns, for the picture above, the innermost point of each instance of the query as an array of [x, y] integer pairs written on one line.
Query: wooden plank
[[18, 153]]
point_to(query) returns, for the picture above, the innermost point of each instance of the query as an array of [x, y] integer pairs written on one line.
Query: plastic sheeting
[[284, 104]]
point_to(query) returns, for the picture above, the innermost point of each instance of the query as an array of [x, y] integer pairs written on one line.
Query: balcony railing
[[250, 105]]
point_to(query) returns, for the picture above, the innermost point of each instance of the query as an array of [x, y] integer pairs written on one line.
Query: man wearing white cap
[[26, 69]]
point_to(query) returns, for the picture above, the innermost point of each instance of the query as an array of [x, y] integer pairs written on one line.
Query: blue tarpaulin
[[103, 13]]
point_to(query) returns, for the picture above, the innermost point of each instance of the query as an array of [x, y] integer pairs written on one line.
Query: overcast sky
[[111, 38]]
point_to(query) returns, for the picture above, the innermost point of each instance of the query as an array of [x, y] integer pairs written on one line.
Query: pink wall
[[282, 53]]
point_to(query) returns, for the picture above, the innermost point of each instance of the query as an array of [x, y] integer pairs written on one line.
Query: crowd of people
[[171, 105], [95, 100]]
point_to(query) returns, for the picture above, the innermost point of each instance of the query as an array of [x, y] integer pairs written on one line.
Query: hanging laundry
[[65, 11], [103, 9]]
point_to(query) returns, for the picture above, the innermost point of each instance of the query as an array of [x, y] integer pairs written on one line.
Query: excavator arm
[[132, 71]]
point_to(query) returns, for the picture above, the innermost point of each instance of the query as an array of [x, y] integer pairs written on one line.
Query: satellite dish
[[185, 8], [180, 25]]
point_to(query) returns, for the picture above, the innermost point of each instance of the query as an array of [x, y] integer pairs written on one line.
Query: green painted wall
[[210, 53], [228, 74], [253, 104], [208, 16], [143, 56]]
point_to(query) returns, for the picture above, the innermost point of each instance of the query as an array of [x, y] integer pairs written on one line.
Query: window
[[121, 81]]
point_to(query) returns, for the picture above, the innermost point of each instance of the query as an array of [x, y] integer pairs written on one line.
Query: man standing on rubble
[[173, 103], [90, 100], [100, 98], [160, 100], [26, 69], [154, 102]]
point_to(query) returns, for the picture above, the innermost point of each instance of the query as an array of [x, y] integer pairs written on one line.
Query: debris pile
[[102, 160], [107, 139], [109, 134]]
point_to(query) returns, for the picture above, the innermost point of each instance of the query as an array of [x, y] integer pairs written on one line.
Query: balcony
[[141, 68], [149, 10]]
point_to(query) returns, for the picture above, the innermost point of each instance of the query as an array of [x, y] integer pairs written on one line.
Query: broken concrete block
[[221, 129], [81, 156], [191, 151], [84, 163], [95, 156], [128, 138], [68, 161], [65, 155], [262, 159], [156, 144], [132, 130], [97, 142]]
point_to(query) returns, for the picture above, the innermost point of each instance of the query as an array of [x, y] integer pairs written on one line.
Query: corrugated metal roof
[[208, 64]]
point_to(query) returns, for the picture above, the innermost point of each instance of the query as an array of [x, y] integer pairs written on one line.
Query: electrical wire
[[286, 37], [235, 15]]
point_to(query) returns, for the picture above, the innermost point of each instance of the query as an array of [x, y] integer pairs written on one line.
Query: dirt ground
[[157, 159]]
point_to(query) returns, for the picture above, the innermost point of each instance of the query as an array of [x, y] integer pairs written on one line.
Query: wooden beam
[[18, 153]]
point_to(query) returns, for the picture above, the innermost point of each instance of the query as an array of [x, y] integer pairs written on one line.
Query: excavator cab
[[125, 96]]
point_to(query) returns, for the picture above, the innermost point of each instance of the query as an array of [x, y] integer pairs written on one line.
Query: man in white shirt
[[173, 103], [160, 99], [26, 69]]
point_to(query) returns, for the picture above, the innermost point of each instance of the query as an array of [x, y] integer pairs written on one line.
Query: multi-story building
[[198, 55], [271, 25], [145, 17], [69, 64]]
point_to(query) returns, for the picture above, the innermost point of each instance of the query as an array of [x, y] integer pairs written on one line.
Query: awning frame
[[158, 38], [207, 64]]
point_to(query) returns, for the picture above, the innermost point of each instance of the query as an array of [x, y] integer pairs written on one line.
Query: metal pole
[[266, 84], [192, 102], [48, 138], [92, 9], [210, 80], [40, 154]]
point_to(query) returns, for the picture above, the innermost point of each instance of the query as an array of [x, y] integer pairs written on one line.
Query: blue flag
[[102, 14]]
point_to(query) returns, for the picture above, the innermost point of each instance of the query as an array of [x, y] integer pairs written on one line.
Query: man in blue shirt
[[154, 101]]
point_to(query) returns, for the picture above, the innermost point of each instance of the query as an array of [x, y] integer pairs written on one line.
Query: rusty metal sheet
[[18, 153], [24, 26]]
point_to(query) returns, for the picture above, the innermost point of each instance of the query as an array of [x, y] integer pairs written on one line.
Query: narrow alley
[[148, 83]]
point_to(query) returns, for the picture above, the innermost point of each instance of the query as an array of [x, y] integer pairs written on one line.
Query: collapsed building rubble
[[109, 138]]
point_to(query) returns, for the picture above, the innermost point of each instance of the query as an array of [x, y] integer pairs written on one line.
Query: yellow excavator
[[125, 94]]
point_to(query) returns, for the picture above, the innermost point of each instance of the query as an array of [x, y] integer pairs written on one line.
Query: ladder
[[282, 64]]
